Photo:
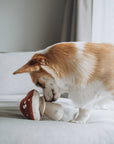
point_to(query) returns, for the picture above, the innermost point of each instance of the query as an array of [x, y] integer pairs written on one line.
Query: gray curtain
[[77, 22]]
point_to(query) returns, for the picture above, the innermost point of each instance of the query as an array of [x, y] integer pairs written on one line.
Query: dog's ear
[[33, 65]]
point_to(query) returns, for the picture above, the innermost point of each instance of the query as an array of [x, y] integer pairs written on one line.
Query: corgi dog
[[84, 70]]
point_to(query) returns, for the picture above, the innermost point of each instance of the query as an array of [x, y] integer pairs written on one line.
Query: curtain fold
[[77, 22], [103, 21]]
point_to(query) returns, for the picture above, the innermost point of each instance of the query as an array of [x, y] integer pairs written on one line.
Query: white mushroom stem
[[54, 111]]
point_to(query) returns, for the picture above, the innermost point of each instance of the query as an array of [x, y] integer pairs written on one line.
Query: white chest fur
[[91, 95]]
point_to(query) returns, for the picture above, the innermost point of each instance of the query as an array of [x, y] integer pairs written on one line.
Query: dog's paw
[[82, 117], [78, 122]]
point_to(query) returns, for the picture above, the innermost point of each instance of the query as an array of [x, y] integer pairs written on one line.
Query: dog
[[84, 70]]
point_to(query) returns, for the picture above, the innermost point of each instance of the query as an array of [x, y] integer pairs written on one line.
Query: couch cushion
[[18, 131], [14, 84]]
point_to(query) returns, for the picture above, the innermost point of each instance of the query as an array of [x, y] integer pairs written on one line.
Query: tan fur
[[33, 65], [104, 70], [61, 58]]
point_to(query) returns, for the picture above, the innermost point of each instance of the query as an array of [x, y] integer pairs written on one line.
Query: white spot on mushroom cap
[[24, 106], [24, 102]]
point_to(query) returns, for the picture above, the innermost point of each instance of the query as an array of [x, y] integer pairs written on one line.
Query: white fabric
[[22, 131], [14, 84], [15, 129], [103, 21]]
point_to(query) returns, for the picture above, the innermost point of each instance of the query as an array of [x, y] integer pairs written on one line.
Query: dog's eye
[[39, 84]]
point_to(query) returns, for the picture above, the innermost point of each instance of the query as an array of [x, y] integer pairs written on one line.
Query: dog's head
[[40, 77], [51, 68]]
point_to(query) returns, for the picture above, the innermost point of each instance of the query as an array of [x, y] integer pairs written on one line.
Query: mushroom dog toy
[[34, 107]]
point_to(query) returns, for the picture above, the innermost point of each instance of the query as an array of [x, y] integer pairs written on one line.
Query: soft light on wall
[[28, 25]]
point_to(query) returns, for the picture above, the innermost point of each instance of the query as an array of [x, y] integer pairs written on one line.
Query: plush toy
[[34, 107]]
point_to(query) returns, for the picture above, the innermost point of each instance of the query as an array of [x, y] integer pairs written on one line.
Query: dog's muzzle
[[52, 97]]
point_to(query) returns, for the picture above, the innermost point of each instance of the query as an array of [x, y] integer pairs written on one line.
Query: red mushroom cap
[[29, 106]]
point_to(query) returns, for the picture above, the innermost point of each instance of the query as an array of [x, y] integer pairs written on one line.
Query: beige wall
[[28, 25]]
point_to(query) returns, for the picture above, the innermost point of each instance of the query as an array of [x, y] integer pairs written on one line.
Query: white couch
[[15, 129]]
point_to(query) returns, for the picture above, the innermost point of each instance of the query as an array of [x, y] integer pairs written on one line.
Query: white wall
[[28, 25]]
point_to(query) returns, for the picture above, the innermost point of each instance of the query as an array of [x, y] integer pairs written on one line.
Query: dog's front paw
[[82, 117], [78, 122]]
